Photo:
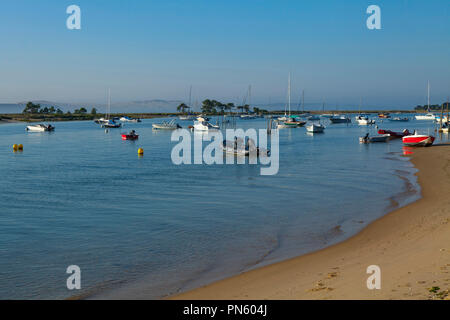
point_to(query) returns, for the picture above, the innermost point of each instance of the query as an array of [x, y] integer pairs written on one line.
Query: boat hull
[[130, 137], [340, 120]]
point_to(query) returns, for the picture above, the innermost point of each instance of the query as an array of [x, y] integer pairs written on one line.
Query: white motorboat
[[101, 121], [171, 125], [429, 116], [128, 119], [364, 120], [186, 117], [202, 125], [248, 116], [40, 127], [315, 128]]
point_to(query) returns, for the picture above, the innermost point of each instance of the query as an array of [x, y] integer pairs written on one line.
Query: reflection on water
[[82, 196]]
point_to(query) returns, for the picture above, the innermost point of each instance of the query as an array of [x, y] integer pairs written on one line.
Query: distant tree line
[[36, 109], [433, 107], [217, 107]]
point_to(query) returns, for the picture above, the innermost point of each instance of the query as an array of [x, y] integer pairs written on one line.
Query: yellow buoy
[[15, 147], [20, 146], [140, 151]]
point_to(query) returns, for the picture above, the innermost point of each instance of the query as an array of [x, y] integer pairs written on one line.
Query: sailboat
[[188, 116], [291, 122], [109, 123], [429, 115]]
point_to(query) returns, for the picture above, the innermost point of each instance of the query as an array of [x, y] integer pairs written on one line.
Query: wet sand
[[411, 245]]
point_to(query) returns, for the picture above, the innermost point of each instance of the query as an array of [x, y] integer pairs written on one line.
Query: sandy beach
[[411, 246]]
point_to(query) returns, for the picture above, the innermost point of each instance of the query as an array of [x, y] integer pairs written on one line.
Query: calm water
[[143, 227]]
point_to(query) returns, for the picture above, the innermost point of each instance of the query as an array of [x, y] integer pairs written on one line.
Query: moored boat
[[111, 124], [381, 138], [128, 119], [130, 136], [364, 120], [238, 148], [399, 119], [315, 128], [429, 116], [203, 125], [395, 134], [340, 119], [418, 140], [171, 125]]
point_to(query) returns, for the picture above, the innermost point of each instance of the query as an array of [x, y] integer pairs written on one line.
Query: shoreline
[[409, 244]]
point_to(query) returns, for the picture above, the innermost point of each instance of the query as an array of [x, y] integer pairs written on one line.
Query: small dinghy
[[130, 136], [381, 138], [40, 127]]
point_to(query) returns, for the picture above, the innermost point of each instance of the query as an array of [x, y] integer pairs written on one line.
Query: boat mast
[[428, 106], [303, 101], [448, 119], [289, 94], [108, 111], [190, 96], [249, 96]]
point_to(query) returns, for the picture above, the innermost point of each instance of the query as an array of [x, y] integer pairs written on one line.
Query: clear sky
[[157, 49]]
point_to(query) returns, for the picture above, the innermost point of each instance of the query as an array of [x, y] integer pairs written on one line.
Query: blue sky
[[157, 49]]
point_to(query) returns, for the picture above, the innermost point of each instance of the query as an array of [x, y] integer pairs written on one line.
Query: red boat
[[418, 140], [130, 136], [394, 134]]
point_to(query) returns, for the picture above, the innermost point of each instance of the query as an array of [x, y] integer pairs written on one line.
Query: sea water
[[142, 227]]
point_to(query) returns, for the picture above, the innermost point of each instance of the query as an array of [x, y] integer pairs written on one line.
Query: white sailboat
[[109, 123], [290, 122], [429, 115]]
